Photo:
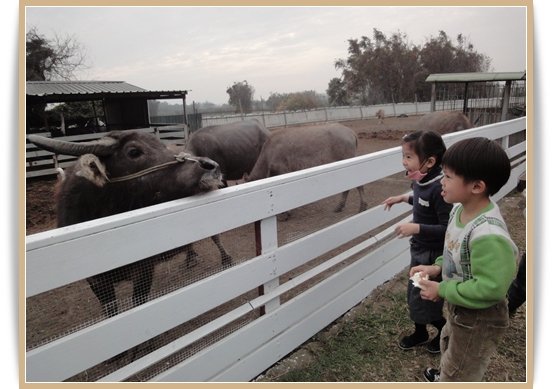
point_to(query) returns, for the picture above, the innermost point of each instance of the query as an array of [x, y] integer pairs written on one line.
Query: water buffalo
[[234, 146], [444, 122], [289, 150], [380, 115], [122, 171]]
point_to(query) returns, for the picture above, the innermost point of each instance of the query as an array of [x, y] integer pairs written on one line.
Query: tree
[[241, 96], [295, 101], [52, 59], [337, 93], [379, 70], [47, 60], [390, 69], [440, 55]]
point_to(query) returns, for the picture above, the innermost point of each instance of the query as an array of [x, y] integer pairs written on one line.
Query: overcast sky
[[276, 49]]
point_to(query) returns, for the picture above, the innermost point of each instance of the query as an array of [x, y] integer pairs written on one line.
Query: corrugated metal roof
[[475, 77], [45, 88]]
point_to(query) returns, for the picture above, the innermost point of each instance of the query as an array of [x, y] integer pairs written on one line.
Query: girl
[[422, 153]]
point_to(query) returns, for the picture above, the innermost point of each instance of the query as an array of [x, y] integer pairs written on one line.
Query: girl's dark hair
[[479, 159], [427, 144]]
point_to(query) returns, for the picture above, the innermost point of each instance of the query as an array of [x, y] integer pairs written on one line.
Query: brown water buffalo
[[289, 150], [122, 171], [234, 146], [444, 122], [380, 115]]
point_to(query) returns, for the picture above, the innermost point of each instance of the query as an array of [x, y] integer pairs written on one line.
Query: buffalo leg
[[226, 259], [363, 205], [142, 283], [344, 195], [342, 202], [104, 289], [191, 256]]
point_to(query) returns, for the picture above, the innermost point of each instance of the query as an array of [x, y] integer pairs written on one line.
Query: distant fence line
[[478, 106], [290, 118]]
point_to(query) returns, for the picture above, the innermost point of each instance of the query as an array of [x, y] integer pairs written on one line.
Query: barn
[[82, 110], [101, 105]]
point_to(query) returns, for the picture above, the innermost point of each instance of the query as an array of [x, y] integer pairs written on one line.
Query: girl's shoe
[[411, 341], [434, 345]]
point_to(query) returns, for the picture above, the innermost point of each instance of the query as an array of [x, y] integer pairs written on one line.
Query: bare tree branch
[[56, 59]]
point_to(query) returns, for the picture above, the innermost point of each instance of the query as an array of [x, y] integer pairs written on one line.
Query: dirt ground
[[40, 216]]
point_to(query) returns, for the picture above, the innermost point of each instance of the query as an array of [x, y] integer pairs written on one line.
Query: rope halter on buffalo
[[179, 158]]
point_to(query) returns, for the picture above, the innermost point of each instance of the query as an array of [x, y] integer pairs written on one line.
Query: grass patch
[[363, 347]]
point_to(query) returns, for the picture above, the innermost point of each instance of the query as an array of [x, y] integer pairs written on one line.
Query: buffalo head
[[126, 170], [122, 171]]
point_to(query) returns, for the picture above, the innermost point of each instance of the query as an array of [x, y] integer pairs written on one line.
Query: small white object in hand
[[416, 279]]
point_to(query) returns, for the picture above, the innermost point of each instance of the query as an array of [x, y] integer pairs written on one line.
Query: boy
[[478, 262]]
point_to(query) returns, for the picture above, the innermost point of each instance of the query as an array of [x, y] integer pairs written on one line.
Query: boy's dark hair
[[427, 144], [479, 159]]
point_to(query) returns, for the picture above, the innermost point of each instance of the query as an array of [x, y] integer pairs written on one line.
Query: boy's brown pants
[[469, 339]]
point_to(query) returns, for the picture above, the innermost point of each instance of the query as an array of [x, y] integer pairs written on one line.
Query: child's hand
[[429, 290], [407, 229], [431, 270], [394, 200]]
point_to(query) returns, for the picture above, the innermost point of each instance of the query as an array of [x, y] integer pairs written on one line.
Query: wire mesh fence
[[57, 313]]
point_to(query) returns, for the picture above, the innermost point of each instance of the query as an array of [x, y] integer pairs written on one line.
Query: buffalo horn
[[101, 147]]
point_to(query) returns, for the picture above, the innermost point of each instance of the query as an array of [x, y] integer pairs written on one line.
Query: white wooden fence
[[59, 257]]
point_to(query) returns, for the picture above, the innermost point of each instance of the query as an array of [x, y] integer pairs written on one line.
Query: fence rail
[[62, 256]]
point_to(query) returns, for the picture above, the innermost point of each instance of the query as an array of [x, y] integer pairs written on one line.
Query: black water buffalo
[[122, 171], [289, 150], [234, 146]]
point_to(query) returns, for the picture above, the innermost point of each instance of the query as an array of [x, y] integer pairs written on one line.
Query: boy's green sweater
[[488, 263]]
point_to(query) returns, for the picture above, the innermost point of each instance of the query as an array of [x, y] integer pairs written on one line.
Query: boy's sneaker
[[434, 346], [411, 341], [431, 375]]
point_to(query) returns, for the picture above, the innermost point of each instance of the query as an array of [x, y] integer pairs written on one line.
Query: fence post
[[505, 100], [266, 239], [433, 96]]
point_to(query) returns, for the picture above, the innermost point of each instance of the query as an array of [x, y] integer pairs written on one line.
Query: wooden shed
[[113, 105], [484, 97]]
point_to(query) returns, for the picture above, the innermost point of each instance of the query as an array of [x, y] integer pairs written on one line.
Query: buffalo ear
[[92, 169]]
